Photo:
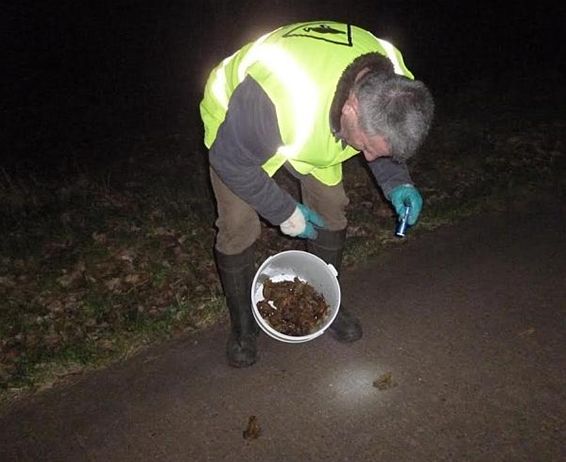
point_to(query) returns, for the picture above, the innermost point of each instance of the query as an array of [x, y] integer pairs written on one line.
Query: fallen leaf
[[161, 231], [105, 344], [528, 332], [113, 284], [101, 238], [75, 275], [7, 281], [133, 279], [126, 255], [55, 306]]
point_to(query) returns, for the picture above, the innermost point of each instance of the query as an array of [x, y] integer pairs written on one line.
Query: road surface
[[467, 323]]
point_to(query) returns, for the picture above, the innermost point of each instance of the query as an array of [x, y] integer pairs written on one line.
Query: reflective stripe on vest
[[295, 89]]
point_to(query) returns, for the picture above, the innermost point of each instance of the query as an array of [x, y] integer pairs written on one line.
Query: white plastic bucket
[[285, 266]]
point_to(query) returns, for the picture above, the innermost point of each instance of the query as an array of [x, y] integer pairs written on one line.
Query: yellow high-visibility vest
[[299, 67]]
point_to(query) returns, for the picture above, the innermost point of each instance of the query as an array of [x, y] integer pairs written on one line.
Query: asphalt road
[[468, 320]]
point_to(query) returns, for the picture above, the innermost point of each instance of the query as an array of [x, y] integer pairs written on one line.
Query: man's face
[[372, 147]]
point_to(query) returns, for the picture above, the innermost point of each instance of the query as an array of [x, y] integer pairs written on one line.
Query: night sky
[[82, 73]]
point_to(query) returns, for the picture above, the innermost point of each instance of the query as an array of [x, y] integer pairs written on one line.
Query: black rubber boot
[[236, 274], [329, 245]]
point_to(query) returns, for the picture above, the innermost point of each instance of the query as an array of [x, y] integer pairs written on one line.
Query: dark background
[[84, 79]]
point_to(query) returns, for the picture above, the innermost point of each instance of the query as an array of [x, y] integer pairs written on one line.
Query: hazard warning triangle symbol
[[337, 33]]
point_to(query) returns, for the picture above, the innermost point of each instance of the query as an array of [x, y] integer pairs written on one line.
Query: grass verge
[[97, 264]]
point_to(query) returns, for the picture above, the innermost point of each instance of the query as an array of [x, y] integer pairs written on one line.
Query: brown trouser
[[239, 226]]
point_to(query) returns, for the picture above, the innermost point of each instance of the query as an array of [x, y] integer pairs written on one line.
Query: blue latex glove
[[407, 195], [303, 223]]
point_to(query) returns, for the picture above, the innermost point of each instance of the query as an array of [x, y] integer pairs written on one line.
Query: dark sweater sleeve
[[389, 174], [247, 138]]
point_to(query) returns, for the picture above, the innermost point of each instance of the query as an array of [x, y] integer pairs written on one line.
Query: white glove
[[302, 222], [295, 224]]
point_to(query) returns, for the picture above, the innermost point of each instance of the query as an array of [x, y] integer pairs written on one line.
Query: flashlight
[[402, 223]]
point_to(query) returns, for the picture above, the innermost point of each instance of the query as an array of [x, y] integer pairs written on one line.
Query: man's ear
[[350, 105]]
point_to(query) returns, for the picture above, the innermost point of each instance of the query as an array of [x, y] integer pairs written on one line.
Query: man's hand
[[302, 223], [407, 195]]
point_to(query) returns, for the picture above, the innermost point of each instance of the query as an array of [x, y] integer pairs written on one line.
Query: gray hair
[[397, 108]]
